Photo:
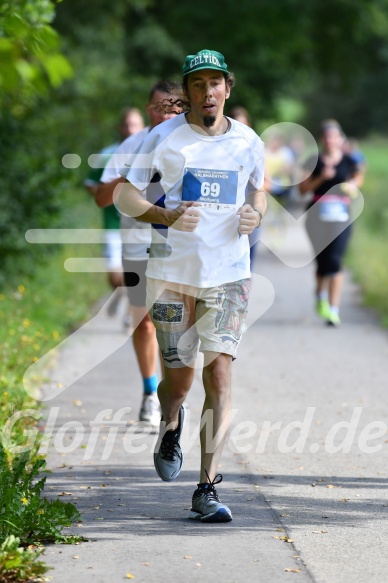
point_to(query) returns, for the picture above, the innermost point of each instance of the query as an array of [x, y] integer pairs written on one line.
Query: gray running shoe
[[150, 409], [168, 456], [206, 504]]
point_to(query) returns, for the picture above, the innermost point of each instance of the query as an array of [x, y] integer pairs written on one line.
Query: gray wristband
[[260, 215]]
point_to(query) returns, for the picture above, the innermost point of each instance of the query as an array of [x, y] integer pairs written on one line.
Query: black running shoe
[[168, 456]]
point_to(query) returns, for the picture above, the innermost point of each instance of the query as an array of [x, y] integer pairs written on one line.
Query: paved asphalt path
[[309, 498]]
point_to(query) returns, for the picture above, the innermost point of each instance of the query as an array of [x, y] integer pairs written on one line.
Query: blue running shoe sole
[[221, 515]]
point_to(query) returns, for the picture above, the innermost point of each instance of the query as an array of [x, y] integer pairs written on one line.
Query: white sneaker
[[127, 325], [150, 409]]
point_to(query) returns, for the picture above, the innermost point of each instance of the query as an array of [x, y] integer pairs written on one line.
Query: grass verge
[[35, 315], [367, 255]]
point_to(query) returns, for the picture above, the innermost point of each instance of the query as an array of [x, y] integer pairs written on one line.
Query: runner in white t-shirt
[[136, 239], [211, 169]]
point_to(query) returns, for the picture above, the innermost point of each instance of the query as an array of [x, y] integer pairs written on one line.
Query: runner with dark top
[[328, 223]]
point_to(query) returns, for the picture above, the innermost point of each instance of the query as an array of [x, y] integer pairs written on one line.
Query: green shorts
[[187, 317]]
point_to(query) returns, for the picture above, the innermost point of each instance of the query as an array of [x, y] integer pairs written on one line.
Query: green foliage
[[20, 565], [332, 55], [368, 251], [30, 59], [23, 511], [38, 312], [34, 317], [32, 186]]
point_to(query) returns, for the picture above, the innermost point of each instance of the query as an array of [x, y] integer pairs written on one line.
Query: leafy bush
[[32, 184], [368, 250], [23, 511], [19, 565]]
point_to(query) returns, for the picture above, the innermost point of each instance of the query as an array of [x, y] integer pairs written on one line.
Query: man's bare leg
[[144, 341], [172, 392], [217, 406]]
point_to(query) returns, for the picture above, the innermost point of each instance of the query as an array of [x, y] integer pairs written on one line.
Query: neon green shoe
[[323, 309], [333, 319]]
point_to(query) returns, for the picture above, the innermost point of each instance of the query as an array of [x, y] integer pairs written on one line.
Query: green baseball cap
[[205, 60]]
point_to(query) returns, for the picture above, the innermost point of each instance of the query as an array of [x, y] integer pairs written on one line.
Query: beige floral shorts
[[186, 317]]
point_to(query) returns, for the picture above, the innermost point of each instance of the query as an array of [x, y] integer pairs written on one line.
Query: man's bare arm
[[131, 202], [252, 212], [258, 200], [104, 192]]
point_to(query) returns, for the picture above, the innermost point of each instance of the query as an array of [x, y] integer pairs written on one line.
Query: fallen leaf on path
[[129, 576], [288, 570], [344, 499], [75, 556], [145, 564], [77, 403], [283, 514], [65, 494], [187, 557]]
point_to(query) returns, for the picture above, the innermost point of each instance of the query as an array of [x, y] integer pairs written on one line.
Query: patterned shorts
[[185, 316]]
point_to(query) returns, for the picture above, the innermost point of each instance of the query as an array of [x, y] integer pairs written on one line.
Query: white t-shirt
[[216, 171], [135, 235]]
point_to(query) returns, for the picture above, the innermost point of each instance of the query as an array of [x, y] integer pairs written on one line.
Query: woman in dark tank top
[[328, 222]]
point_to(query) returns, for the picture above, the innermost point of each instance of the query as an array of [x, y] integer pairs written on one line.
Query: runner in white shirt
[[211, 169], [136, 237]]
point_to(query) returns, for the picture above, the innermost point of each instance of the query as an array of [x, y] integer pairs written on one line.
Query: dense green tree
[[322, 53], [30, 57], [32, 179]]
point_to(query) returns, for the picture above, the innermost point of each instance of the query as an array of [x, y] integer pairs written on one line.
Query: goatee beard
[[209, 120]]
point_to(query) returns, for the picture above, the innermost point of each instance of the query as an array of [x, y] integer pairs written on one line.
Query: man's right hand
[[185, 217]]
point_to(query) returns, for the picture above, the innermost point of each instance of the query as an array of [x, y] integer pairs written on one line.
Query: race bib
[[213, 188], [333, 209]]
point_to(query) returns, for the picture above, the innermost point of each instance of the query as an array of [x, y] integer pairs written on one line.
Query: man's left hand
[[249, 219]]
